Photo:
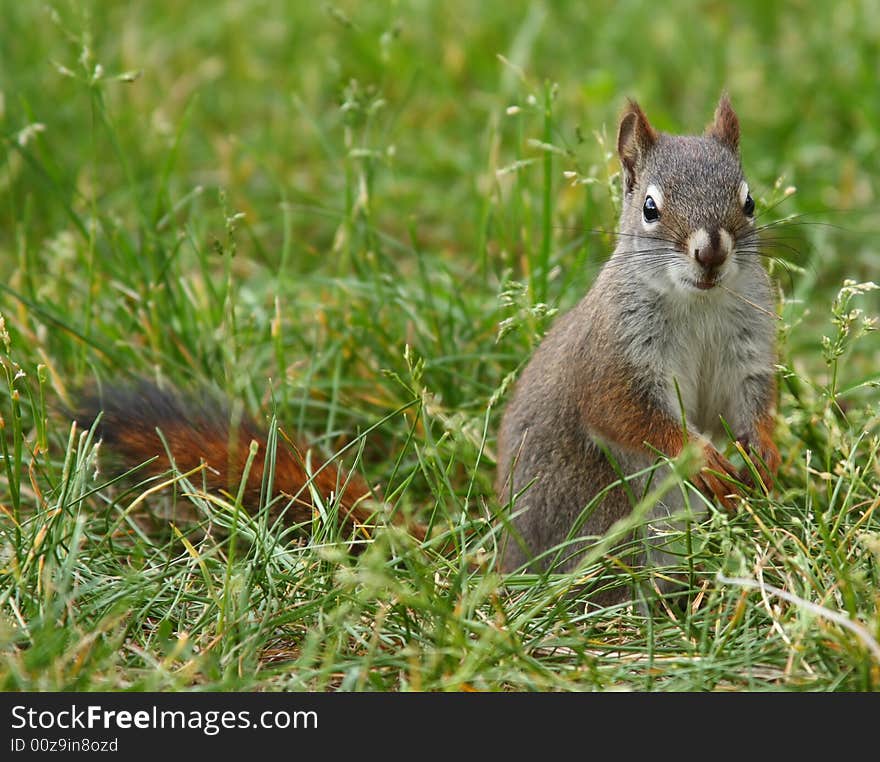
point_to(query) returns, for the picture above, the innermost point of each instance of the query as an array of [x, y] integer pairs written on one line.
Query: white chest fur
[[697, 375], [701, 349]]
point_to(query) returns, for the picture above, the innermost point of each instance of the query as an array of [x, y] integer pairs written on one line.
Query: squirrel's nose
[[710, 249]]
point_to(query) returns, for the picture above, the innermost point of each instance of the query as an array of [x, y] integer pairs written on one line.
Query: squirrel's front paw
[[766, 463], [714, 479]]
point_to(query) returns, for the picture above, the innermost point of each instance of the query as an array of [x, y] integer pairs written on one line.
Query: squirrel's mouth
[[703, 284]]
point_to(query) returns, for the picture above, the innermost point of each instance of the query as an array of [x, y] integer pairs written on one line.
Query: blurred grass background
[[278, 198], [328, 125]]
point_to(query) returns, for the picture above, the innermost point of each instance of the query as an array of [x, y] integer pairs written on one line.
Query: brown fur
[[765, 449], [203, 436], [617, 411]]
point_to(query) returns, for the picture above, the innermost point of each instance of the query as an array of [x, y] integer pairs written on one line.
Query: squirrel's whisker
[[758, 307]]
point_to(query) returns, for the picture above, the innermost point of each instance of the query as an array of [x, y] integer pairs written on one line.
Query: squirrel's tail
[[144, 422]]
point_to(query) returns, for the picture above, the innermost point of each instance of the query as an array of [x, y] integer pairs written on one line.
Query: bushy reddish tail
[[197, 432]]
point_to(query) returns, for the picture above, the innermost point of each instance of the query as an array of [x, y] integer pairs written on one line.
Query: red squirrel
[[675, 339]]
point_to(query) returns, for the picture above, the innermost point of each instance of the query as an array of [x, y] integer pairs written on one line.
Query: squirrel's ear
[[635, 136], [725, 127]]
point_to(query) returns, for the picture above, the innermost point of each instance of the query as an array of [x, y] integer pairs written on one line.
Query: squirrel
[[675, 339]]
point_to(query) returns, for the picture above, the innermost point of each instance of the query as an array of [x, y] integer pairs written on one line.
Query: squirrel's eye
[[650, 210], [749, 205]]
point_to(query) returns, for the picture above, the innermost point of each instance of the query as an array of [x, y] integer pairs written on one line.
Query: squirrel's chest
[[702, 379], [697, 362]]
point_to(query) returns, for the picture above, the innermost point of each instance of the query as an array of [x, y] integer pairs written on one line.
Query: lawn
[[358, 220]]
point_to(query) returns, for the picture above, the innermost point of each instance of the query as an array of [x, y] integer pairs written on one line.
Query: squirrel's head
[[686, 203]]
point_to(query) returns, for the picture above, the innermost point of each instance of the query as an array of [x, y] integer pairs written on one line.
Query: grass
[[361, 218]]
